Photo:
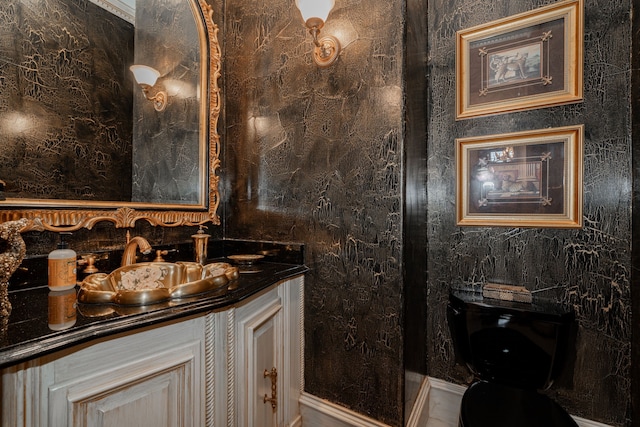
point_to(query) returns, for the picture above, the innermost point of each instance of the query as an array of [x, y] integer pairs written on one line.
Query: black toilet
[[514, 350]]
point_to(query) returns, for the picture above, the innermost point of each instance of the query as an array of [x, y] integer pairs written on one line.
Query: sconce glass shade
[[145, 75], [315, 8], [315, 13]]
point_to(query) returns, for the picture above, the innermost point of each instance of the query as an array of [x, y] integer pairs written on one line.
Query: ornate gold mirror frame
[[71, 215]]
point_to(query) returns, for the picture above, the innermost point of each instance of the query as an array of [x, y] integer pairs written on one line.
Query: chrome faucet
[[130, 250]]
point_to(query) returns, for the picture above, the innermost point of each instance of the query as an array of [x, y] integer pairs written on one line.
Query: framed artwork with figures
[[526, 61], [521, 179]]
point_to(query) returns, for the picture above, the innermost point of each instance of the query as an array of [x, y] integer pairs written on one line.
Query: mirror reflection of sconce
[[314, 13], [147, 77]]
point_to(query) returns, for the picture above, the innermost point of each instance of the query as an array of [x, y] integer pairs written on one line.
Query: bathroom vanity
[[226, 359]]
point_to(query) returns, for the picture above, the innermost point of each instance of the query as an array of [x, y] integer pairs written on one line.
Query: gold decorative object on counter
[[245, 259], [200, 245], [246, 262], [152, 282], [12, 253]]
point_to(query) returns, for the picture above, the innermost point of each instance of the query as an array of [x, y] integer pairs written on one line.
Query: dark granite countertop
[[26, 333]]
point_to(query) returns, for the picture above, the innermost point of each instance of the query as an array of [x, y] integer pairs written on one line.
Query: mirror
[[82, 143]]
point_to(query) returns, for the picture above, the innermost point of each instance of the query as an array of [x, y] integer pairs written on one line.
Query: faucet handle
[[89, 261], [159, 254]]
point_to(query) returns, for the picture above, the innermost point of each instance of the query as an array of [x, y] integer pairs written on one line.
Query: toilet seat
[[486, 404]]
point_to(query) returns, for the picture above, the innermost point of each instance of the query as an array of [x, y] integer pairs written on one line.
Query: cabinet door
[[153, 377], [263, 356], [153, 391], [259, 333], [292, 377]]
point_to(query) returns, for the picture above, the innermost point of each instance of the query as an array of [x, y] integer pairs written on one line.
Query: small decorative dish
[[245, 259]]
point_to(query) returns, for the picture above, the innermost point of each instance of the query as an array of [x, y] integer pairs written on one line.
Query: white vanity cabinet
[[153, 377], [204, 370]]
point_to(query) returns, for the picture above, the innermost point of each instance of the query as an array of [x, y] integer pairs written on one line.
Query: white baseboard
[[318, 412], [297, 422], [444, 402], [437, 404], [420, 418]]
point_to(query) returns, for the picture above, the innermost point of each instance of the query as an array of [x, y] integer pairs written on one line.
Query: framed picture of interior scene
[[530, 60], [522, 179]]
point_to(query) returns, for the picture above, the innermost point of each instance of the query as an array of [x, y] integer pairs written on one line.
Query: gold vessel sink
[[151, 282]]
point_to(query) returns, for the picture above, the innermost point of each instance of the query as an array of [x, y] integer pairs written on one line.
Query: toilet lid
[[491, 405]]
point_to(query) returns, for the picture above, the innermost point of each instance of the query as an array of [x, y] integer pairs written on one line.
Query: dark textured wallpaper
[[588, 269], [315, 155]]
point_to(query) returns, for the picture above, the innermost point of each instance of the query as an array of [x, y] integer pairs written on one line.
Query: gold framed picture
[[530, 60], [521, 179]]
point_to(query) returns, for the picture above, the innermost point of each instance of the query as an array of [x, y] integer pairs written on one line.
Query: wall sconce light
[[314, 13], [147, 77]]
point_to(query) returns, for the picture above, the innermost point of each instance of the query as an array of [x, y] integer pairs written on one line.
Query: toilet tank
[[517, 344]]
